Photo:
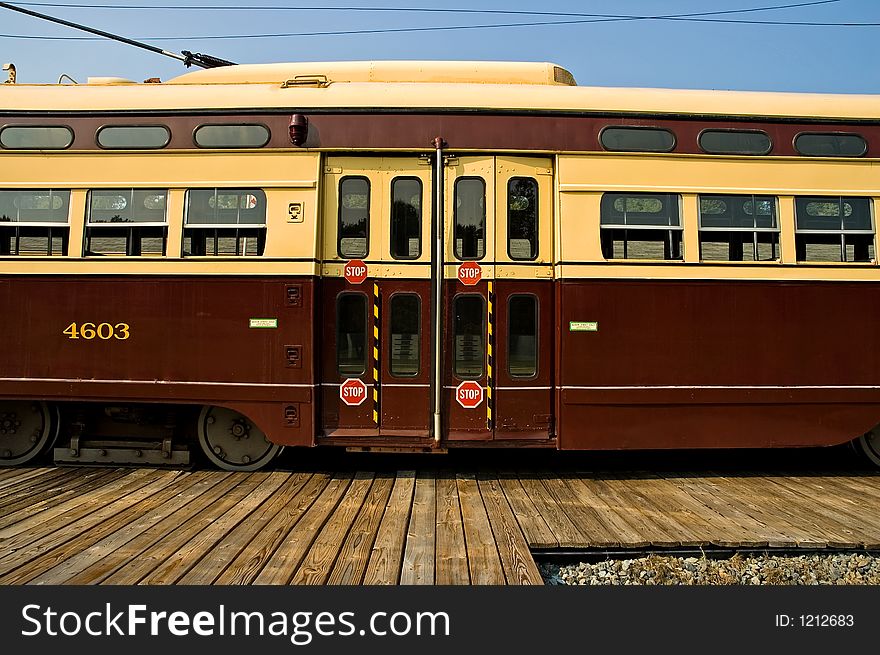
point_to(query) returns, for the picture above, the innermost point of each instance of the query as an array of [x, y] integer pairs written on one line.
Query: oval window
[[830, 145], [828, 208], [133, 137], [232, 136], [638, 205], [637, 139], [28, 137], [38, 200], [735, 142]]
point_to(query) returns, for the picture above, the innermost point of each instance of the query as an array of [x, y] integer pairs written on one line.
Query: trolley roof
[[417, 85]]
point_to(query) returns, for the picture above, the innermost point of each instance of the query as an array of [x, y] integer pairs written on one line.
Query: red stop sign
[[469, 394], [469, 273], [355, 271], [353, 392]]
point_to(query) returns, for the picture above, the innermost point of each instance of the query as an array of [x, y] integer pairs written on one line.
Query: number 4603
[[105, 331]]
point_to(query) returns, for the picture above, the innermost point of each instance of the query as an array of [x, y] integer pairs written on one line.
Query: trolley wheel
[[233, 442], [868, 445], [27, 429]]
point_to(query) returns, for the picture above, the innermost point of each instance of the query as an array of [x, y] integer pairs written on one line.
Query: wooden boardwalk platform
[[148, 526]]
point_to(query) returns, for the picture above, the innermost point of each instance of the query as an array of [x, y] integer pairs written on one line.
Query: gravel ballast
[[825, 569]]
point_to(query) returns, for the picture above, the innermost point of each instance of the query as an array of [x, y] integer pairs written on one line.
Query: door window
[[468, 336], [406, 218], [522, 336], [469, 209], [405, 346], [351, 334], [354, 217]]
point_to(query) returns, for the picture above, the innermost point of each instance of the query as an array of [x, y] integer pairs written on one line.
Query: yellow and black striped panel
[[376, 345], [490, 355]]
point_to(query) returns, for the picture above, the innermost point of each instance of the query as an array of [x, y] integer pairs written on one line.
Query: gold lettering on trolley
[[102, 331]]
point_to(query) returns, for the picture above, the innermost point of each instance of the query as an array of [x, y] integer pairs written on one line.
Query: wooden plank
[[663, 504], [318, 562], [189, 522], [285, 560], [640, 517], [35, 484], [208, 569], [587, 520], [537, 533], [754, 500], [585, 491], [846, 523], [419, 554], [57, 524], [741, 529], [42, 522], [518, 564], [18, 477], [13, 474], [711, 488], [863, 486], [355, 552], [484, 562], [256, 489], [59, 544], [253, 557], [40, 501], [451, 562], [564, 531], [383, 567], [95, 563]]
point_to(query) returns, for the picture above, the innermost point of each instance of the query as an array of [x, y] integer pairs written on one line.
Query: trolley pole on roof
[[188, 58], [437, 275]]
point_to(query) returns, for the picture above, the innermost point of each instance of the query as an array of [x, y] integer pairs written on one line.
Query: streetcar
[[424, 256]]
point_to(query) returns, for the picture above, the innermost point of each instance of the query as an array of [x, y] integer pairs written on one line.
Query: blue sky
[[641, 53]]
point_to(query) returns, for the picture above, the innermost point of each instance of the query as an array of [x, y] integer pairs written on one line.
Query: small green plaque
[[583, 326], [263, 323]]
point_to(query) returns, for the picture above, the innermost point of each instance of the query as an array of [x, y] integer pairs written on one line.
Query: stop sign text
[[469, 394], [353, 392], [355, 271]]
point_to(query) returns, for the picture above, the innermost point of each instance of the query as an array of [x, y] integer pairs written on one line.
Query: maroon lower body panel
[[640, 363], [242, 343], [681, 364]]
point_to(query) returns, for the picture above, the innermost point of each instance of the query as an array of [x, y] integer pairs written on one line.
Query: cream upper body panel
[[504, 87]]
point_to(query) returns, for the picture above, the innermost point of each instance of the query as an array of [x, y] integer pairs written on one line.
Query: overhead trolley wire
[[693, 17], [444, 10]]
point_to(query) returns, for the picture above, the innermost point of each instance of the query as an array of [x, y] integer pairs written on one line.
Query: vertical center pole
[[437, 289]]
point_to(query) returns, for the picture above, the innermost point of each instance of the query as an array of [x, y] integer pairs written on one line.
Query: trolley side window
[[405, 338], [815, 144], [353, 227], [34, 222], [637, 139], [224, 223], [469, 209], [469, 342], [126, 222], [406, 218], [522, 336], [522, 218], [640, 226], [834, 229], [735, 142], [36, 137], [738, 228], [231, 136], [351, 334], [133, 137]]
